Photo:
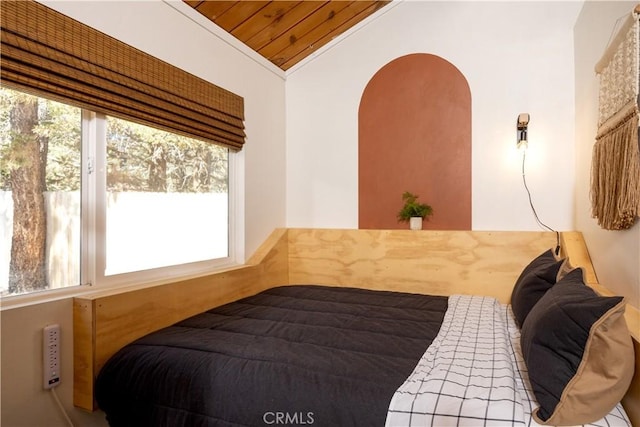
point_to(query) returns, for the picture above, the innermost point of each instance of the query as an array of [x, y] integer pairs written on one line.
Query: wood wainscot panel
[[427, 262]]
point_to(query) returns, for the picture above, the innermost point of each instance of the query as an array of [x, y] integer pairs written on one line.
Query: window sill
[[51, 295]]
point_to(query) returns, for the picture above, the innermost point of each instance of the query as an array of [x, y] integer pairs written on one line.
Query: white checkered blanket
[[473, 374]]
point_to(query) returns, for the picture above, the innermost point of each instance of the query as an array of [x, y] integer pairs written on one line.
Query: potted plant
[[413, 212]]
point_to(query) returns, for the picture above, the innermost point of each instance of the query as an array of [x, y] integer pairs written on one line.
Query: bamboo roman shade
[[47, 53]]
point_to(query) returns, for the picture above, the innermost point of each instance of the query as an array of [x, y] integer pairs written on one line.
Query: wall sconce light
[[522, 125]]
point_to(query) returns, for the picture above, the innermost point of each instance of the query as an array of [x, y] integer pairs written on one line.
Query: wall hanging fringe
[[615, 167]]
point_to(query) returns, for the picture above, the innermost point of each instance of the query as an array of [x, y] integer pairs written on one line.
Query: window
[[164, 191], [40, 191], [87, 198]]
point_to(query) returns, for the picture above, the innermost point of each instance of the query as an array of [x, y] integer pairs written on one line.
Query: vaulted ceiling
[[286, 32]]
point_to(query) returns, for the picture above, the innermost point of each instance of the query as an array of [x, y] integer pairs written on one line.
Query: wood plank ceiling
[[286, 32]]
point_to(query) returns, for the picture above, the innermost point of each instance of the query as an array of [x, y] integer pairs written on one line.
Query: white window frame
[[98, 181], [93, 226]]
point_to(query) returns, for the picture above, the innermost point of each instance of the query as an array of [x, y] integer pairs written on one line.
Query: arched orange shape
[[414, 134]]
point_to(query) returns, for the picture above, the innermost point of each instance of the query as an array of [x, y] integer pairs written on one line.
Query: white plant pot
[[415, 223]]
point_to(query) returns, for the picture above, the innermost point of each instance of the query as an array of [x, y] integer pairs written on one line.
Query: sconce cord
[[533, 209]]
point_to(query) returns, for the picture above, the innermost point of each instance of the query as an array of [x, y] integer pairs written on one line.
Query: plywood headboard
[[428, 262]]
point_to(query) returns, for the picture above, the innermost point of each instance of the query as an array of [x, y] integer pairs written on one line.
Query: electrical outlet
[[51, 355]]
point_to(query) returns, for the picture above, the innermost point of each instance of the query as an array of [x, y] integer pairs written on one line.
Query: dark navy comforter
[[291, 355]]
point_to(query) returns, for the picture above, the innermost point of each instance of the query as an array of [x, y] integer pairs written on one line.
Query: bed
[[364, 375]]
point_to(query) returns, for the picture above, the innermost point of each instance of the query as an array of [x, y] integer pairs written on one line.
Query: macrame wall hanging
[[615, 168]]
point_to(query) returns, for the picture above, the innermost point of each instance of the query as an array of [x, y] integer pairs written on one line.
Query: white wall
[[615, 254], [516, 56], [172, 32]]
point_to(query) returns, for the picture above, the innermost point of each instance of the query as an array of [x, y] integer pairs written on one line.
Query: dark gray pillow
[[534, 281], [578, 352]]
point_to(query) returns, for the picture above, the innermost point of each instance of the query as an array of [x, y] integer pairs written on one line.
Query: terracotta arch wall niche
[[414, 134]]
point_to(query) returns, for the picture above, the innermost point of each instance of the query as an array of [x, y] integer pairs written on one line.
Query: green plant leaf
[[413, 208]]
